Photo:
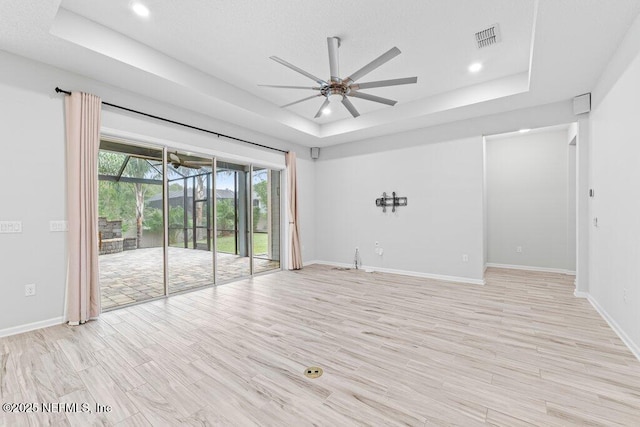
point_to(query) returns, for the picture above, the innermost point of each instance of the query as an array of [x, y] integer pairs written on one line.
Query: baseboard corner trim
[[14, 330], [633, 347], [580, 294]]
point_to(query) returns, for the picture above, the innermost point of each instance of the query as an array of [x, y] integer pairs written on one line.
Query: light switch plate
[[10, 226], [58, 226], [29, 290]]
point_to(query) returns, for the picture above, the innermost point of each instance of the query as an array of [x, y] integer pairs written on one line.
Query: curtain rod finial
[[66, 92]]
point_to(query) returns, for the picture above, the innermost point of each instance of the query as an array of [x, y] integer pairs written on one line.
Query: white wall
[[33, 182], [572, 195], [571, 208], [485, 206], [572, 202], [583, 224], [33, 176], [307, 208], [443, 219], [614, 273], [527, 200]]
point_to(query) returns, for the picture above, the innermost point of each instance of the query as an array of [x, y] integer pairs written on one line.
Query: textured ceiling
[[213, 55]]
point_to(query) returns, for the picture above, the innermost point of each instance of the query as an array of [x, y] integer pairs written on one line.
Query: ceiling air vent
[[488, 36]]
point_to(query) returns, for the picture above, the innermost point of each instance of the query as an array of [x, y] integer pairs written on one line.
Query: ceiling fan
[[337, 89], [186, 161]]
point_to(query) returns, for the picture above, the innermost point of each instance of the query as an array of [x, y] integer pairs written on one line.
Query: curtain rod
[[66, 92]]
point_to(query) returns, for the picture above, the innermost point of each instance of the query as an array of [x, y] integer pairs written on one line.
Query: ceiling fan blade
[[372, 98], [197, 162], [186, 161], [292, 87], [334, 44], [300, 100], [383, 83], [349, 106], [191, 165], [385, 57], [299, 70], [324, 105]]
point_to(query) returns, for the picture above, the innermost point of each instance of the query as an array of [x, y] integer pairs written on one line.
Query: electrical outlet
[[29, 290], [519, 249], [624, 294], [377, 244], [379, 251], [10, 226], [465, 258]]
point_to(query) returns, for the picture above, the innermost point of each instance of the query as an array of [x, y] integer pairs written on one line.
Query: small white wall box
[[582, 104]]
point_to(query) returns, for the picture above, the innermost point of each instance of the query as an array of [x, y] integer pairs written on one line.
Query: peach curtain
[[83, 142], [295, 250]]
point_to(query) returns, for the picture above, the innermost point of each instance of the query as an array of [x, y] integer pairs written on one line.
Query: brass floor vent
[[313, 372]]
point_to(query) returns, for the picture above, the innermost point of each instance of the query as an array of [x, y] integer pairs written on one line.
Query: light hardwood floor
[[395, 350]]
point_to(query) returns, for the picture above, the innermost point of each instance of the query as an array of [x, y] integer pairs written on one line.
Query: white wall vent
[[488, 36]]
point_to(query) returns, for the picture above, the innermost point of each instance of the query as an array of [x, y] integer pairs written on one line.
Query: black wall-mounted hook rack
[[392, 201]]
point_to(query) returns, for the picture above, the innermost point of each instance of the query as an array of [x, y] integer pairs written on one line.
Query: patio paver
[[132, 276]]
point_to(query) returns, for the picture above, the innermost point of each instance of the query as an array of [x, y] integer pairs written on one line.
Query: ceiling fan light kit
[[337, 89]]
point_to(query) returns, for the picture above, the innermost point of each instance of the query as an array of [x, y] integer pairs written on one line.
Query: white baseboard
[[406, 273], [529, 268], [635, 349], [432, 276], [31, 326], [339, 264], [313, 261]]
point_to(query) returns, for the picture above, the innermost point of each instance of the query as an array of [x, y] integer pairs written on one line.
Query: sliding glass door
[[266, 219], [232, 220], [190, 260], [172, 221], [130, 224]]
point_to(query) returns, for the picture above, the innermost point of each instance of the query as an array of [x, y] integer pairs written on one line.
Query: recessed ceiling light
[[475, 67], [140, 9], [524, 130]]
